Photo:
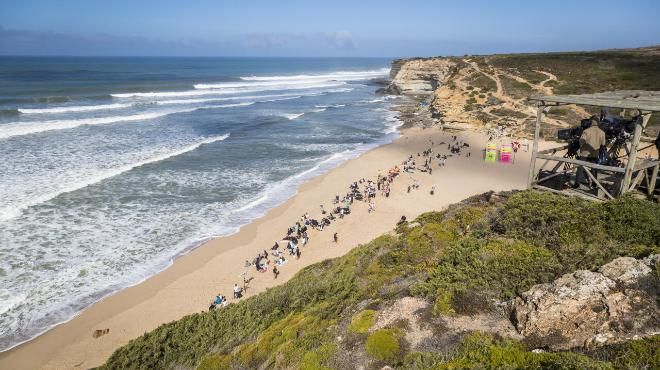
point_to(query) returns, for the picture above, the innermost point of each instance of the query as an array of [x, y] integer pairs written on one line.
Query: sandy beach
[[190, 284]]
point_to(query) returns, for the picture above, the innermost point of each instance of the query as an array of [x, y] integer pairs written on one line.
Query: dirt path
[[546, 89]]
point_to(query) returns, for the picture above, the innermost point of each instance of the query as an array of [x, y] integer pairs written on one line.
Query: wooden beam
[[646, 103], [644, 164], [567, 193], [544, 179], [632, 157], [638, 178], [553, 150], [582, 163], [654, 178], [595, 180], [535, 147]]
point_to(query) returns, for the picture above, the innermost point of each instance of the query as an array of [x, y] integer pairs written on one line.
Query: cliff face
[[420, 76], [491, 91]]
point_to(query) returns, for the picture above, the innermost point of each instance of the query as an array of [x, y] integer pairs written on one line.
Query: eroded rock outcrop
[[419, 76], [588, 309]]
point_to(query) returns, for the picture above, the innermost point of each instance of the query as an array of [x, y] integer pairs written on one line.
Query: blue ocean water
[[112, 167]]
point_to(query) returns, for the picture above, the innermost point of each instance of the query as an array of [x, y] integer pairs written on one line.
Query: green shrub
[[481, 351], [383, 344], [548, 220], [472, 270], [421, 360], [362, 321], [582, 234], [632, 221], [635, 354], [443, 303], [298, 340]]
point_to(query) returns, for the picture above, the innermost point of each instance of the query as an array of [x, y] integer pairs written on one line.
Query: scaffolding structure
[[634, 174]]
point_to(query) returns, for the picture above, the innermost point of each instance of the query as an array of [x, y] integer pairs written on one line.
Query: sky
[[310, 28]]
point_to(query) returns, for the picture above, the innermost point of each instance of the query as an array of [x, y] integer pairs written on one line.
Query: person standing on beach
[[237, 291], [335, 238]]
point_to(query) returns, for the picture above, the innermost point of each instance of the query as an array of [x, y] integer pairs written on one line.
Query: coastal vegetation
[[503, 83], [466, 261], [588, 72]]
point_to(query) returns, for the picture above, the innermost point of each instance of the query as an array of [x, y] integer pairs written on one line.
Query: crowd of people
[[363, 190]]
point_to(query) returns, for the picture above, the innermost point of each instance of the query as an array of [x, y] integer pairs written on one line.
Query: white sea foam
[[330, 106], [26, 128], [340, 76], [294, 81], [91, 108], [14, 210], [228, 90], [252, 204], [8, 301], [246, 97], [70, 109], [291, 116]]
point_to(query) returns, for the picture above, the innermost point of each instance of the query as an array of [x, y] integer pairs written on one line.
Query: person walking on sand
[[237, 291], [335, 238], [276, 272]]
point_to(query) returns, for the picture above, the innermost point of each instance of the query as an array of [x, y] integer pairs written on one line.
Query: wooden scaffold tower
[[624, 172]]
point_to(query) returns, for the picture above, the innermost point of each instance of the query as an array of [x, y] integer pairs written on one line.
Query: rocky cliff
[[420, 76], [491, 91]]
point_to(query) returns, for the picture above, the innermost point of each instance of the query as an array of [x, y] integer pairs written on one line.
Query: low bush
[[481, 351], [362, 321], [383, 344]]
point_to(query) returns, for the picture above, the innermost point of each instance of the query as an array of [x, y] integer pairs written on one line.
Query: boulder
[[589, 309], [625, 270]]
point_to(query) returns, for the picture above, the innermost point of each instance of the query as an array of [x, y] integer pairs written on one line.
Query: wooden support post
[[642, 120], [535, 147], [595, 180], [654, 178], [638, 179]]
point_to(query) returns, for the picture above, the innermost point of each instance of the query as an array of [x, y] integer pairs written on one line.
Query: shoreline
[[297, 180], [158, 299]]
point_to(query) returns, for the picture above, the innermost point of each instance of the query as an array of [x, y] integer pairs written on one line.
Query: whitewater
[[104, 183]]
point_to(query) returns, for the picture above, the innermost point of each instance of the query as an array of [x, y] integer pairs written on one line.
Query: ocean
[[110, 168]]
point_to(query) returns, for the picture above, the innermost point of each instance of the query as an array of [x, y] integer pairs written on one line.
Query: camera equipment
[[572, 136], [617, 131]]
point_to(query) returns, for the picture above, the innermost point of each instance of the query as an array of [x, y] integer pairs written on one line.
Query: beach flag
[[506, 153], [491, 153]]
